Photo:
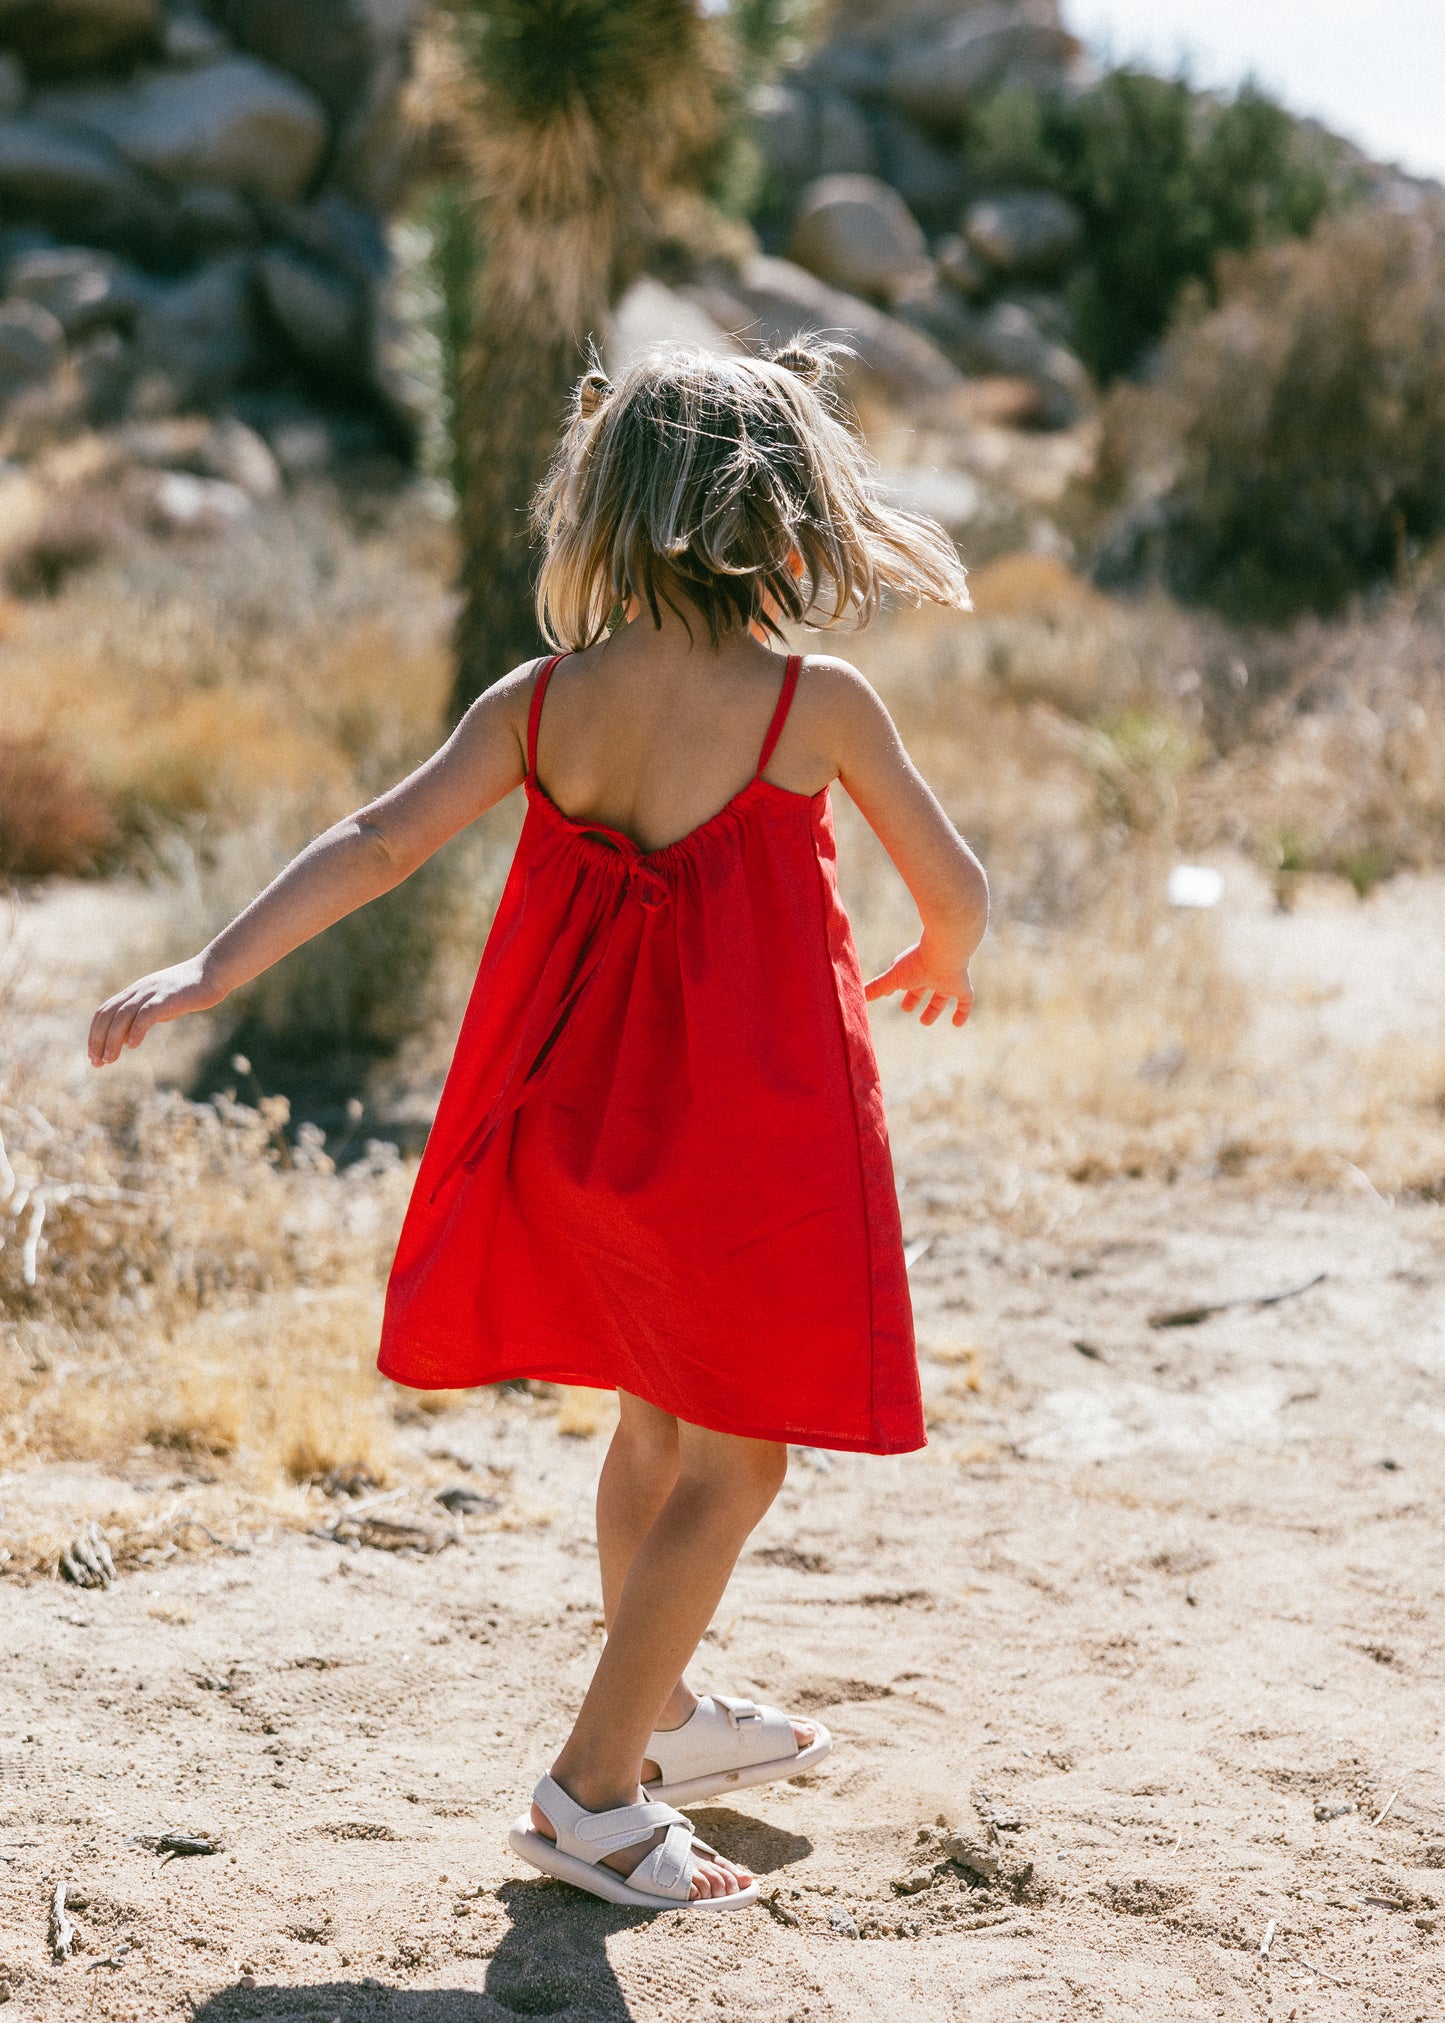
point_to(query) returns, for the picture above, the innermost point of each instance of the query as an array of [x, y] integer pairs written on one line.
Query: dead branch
[[1189, 1317]]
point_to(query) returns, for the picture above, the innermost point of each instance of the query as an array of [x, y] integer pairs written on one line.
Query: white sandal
[[661, 1881], [726, 1745]]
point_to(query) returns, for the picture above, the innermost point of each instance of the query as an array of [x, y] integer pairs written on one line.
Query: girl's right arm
[[357, 859]]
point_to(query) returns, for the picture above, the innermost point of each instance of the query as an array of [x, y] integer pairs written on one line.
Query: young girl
[[660, 1164]]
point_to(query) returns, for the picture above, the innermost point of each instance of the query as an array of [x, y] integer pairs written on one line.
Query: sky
[[1373, 70]]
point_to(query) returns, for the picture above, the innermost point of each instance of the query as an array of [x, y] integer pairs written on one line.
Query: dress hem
[[548, 1373]]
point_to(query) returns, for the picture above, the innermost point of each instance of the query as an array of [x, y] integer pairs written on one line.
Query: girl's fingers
[[961, 1011], [884, 985], [120, 1031], [932, 1009], [912, 999]]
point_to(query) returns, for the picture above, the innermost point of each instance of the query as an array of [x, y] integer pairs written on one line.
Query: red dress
[[660, 1162]]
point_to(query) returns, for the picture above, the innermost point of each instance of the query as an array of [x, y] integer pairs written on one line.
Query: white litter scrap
[[1195, 885]]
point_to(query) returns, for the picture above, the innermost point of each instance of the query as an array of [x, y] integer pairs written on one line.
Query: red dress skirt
[[660, 1162]]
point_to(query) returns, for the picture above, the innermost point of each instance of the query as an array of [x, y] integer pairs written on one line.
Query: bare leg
[[676, 1578], [637, 1479]]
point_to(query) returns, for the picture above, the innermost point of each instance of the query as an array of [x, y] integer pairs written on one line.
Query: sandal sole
[[719, 1781], [601, 1881]]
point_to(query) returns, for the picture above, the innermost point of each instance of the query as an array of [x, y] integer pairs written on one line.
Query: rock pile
[[869, 186], [192, 197]]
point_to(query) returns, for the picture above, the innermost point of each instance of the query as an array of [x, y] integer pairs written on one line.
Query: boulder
[[771, 302], [650, 315], [1026, 234], [75, 184], [12, 85], [783, 127], [959, 267], [937, 77], [188, 38], [1005, 341], [842, 138], [84, 290], [31, 346], [804, 134], [62, 35], [104, 368], [198, 338], [208, 218], [930, 180], [355, 56], [857, 233], [234, 123], [322, 313]]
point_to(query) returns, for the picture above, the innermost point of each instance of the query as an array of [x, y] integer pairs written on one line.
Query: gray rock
[[188, 38], [31, 345], [235, 123], [930, 181], [937, 77], [321, 312], [1005, 341], [783, 127], [858, 234], [805, 134], [104, 365], [198, 338], [69, 181], [843, 140], [12, 85], [210, 219], [959, 267], [771, 302], [355, 55], [852, 67], [83, 289], [1026, 234], [62, 35]]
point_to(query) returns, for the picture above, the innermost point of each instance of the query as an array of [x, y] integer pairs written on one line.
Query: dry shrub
[[1293, 442], [292, 661], [72, 534], [1344, 771], [51, 821]]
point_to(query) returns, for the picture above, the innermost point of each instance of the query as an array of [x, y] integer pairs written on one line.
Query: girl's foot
[[680, 1710], [714, 1876], [719, 1744]]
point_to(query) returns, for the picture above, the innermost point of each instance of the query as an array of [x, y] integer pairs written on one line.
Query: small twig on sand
[[113, 1959], [62, 1931], [1267, 1941], [780, 1910], [1177, 1839], [1385, 1809], [916, 1251], [1303, 1962], [1188, 1317]]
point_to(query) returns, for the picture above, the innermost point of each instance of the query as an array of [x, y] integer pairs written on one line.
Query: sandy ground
[[1161, 1604]]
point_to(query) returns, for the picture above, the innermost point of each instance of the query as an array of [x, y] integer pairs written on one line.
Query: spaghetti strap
[[780, 714], [534, 714]]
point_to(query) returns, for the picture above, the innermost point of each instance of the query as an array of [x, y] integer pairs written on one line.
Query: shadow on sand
[[550, 1961]]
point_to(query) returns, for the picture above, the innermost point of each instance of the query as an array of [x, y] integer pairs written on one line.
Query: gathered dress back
[[660, 1162]]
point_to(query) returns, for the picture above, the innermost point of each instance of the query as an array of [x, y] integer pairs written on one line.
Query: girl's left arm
[[356, 860]]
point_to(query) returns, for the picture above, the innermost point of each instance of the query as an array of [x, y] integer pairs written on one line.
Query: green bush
[[1167, 178], [1297, 430]]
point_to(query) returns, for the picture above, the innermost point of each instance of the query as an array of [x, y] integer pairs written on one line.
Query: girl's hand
[[125, 1019], [927, 978]]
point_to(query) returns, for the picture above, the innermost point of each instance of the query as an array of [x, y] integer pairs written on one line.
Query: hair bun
[[806, 364], [592, 390]]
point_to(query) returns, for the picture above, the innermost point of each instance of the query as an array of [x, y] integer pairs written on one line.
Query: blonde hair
[[695, 479]]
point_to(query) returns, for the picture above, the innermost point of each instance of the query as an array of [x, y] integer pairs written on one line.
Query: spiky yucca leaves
[[580, 116]]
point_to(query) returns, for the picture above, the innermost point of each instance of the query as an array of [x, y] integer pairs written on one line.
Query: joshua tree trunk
[[580, 114]]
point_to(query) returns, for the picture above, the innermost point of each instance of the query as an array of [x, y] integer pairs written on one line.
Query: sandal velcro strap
[[669, 1868], [738, 1711], [626, 1825]]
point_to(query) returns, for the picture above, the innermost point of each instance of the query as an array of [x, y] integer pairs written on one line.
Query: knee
[[741, 1476], [647, 1437]]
